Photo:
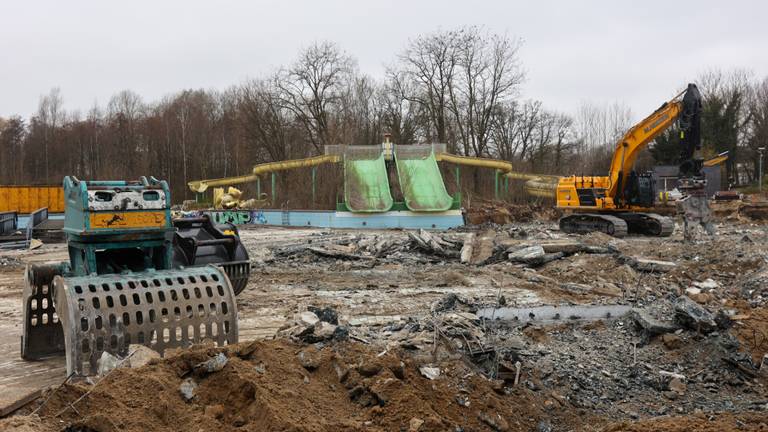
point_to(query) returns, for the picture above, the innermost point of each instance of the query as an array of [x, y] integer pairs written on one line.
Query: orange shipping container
[[26, 199]]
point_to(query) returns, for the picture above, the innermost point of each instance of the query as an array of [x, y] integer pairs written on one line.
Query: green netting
[[366, 184], [420, 179]]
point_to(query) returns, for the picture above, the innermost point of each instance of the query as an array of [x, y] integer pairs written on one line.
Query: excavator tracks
[[583, 223], [618, 224], [648, 224]]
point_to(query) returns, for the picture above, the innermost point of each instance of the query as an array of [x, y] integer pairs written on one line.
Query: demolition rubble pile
[[281, 385], [494, 327]]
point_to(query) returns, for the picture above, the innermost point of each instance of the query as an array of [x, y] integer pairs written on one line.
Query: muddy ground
[[414, 346]]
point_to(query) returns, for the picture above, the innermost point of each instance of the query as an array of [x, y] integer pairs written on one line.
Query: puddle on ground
[[554, 313]]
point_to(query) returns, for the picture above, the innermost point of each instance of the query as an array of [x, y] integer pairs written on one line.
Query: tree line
[[459, 87]]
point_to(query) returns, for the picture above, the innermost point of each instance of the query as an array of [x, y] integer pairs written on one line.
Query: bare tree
[[264, 122], [430, 63], [313, 88], [403, 118], [49, 114], [598, 130], [726, 116], [125, 111], [12, 136], [488, 74]]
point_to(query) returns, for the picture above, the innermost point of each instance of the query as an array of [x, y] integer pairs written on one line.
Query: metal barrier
[[9, 222], [35, 218], [38, 216]]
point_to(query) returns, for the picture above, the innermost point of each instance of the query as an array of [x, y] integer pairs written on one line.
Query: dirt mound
[[757, 211], [723, 422], [751, 328], [280, 385]]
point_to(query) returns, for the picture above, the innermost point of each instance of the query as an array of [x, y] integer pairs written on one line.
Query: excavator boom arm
[[636, 139], [686, 107]]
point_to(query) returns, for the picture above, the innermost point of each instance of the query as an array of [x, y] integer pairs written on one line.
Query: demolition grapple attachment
[[121, 286]]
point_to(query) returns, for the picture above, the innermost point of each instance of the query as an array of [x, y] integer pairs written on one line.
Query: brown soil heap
[[279, 385]]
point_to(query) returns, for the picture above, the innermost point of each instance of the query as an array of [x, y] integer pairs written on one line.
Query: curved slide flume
[[420, 180], [366, 184]]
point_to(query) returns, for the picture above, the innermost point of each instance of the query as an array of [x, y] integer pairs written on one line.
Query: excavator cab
[[640, 190]]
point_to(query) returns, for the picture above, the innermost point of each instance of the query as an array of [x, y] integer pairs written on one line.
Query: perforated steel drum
[[159, 309]]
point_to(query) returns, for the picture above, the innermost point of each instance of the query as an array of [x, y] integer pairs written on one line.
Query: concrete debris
[[706, 285], [570, 319], [671, 341], [467, 248], [429, 372], [527, 255], [692, 315], [446, 303], [376, 320], [692, 291], [649, 265], [651, 325], [9, 261], [107, 362], [187, 389], [309, 358], [324, 331], [317, 325], [544, 426], [677, 385], [214, 364], [326, 314], [485, 248], [494, 421], [141, 355], [672, 375], [307, 318], [214, 411], [415, 424]]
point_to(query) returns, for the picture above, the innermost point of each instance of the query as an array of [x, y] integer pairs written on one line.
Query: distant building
[[666, 178]]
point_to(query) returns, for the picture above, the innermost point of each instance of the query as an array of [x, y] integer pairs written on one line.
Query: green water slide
[[420, 179], [366, 183]]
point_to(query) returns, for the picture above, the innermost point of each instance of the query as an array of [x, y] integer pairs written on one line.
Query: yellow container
[[26, 199]]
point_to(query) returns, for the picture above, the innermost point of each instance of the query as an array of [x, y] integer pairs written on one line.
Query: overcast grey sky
[[636, 52]]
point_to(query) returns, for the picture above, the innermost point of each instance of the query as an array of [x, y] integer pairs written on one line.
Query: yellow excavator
[[619, 203]]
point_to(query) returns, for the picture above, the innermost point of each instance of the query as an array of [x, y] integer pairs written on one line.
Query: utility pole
[[760, 150]]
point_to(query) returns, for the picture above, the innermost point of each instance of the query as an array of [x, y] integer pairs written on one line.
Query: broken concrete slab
[[527, 255], [483, 248], [375, 320], [649, 265], [706, 285], [565, 246], [141, 355], [651, 325], [214, 364], [429, 372], [307, 318], [324, 330], [107, 362], [692, 315], [466, 249], [671, 341]]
